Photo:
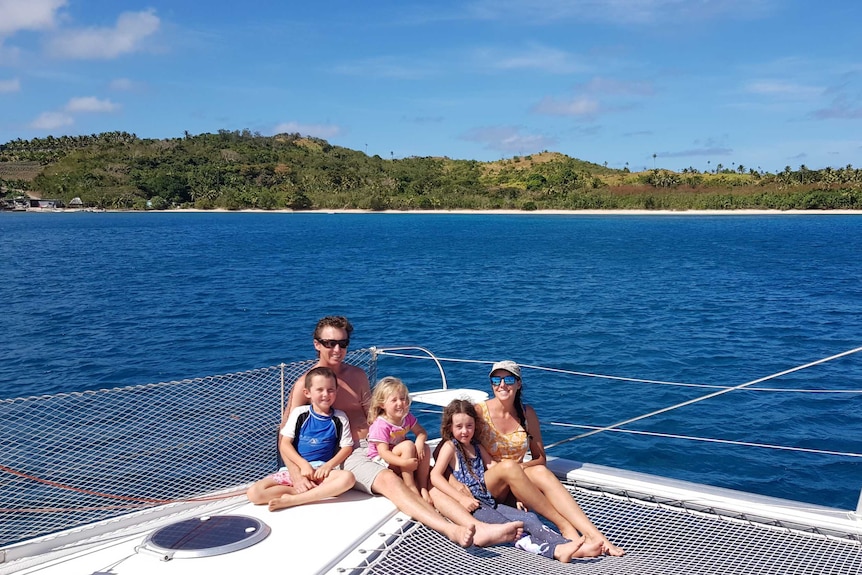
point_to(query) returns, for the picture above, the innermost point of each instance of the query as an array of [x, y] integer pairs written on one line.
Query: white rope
[[386, 351], [713, 440], [704, 397]]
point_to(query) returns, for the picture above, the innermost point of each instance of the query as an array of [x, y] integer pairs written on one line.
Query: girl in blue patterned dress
[[463, 455]]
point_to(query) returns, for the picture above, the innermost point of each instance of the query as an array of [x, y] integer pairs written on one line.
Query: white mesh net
[[76, 458]]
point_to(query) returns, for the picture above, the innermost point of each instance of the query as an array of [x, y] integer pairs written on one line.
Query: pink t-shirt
[[381, 431]]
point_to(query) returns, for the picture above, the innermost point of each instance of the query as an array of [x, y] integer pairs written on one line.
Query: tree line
[[242, 170]]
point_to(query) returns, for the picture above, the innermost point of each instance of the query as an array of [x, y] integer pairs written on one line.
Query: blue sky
[[762, 83]]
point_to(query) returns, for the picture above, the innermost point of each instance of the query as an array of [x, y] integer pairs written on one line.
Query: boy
[[316, 439]]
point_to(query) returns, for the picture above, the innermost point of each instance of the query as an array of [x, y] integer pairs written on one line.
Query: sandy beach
[[545, 212]]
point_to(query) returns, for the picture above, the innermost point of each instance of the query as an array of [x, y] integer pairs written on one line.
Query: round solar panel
[[206, 536]]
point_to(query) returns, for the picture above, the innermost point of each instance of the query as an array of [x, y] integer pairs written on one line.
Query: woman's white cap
[[507, 365]]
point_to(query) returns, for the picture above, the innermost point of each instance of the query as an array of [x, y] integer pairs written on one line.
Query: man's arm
[[295, 399]]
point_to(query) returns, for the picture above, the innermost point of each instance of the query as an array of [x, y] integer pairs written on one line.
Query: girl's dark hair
[[455, 407]]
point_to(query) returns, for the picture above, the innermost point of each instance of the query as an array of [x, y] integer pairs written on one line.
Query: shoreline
[[506, 212]]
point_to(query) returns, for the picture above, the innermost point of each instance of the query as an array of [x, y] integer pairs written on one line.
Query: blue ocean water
[[100, 300]]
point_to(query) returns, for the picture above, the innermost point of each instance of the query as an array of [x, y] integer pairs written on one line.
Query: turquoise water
[[100, 300]]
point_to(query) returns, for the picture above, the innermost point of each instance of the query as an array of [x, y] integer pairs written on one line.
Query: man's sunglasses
[[497, 381], [330, 343]]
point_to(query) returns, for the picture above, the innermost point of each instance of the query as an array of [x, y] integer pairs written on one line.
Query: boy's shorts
[[282, 476]]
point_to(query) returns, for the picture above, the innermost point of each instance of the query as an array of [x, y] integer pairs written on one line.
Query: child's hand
[[303, 484], [322, 472], [469, 502], [409, 464], [306, 470]]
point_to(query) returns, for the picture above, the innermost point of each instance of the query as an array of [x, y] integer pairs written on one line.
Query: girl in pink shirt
[[391, 420]]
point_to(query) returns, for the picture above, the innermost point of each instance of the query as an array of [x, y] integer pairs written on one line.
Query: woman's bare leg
[[560, 498], [509, 474]]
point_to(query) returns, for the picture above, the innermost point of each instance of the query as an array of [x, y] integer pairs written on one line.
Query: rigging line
[[385, 351], [713, 440], [707, 396]]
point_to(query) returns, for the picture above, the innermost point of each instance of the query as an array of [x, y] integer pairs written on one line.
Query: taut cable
[[704, 397]]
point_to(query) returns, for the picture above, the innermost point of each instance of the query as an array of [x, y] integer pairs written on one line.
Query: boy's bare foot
[[282, 502], [564, 553], [494, 533], [463, 536]]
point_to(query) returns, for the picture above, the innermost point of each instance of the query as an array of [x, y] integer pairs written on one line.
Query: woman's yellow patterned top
[[501, 446]]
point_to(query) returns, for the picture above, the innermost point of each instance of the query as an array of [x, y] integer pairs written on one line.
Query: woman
[[511, 429]]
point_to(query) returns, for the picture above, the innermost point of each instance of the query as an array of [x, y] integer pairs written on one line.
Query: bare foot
[[463, 536], [590, 548], [564, 553], [609, 548], [494, 533], [282, 502]]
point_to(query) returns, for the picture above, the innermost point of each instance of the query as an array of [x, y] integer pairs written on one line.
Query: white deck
[[305, 539], [333, 536]]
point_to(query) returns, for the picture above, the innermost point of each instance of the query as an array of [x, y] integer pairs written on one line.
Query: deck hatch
[[205, 536]]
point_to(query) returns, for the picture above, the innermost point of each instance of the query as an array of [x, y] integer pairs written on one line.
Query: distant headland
[[241, 170]]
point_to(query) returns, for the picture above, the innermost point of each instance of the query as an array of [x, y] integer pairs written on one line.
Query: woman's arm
[[486, 457], [537, 448]]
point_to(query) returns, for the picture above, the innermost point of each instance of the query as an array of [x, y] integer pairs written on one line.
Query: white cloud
[[314, 130], [579, 106], [616, 11], [386, 67], [783, 89], [127, 36], [28, 15], [509, 139], [537, 57], [51, 121], [609, 86], [91, 104], [122, 85], [9, 86]]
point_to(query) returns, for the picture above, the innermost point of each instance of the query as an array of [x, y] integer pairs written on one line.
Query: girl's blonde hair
[[382, 390]]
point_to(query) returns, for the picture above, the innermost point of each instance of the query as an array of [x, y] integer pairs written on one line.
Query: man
[[331, 340]]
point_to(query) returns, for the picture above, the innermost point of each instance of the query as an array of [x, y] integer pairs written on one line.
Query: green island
[[238, 170]]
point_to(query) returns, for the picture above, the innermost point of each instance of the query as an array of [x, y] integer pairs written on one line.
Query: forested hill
[[241, 169]]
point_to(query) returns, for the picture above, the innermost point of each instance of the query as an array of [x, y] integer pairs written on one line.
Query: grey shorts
[[363, 469]]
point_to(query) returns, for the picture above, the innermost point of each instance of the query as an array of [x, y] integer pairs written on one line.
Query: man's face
[[331, 345]]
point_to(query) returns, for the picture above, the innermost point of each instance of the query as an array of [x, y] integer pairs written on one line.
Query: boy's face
[[321, 393]]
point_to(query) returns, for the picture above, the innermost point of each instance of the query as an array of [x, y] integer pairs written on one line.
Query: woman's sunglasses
[[497, 381]]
